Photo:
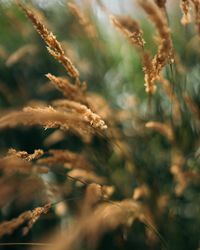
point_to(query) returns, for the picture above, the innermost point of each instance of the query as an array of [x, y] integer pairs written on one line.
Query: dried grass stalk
[[80, 123], [142, 191], [193, 107], [12, 164], [83, 20], [71, 91], [153, 68], [54, 47], [66, 157], [18, 161], [86, 176], [35, 215], [21, 53], [90, 228], [8, 227], [93, 119], [177, 162], [196, 4], [54, 138], [176, 109], [185, 7], [130, 28], [100, 106], [24, 155], [149, 73], [93, 195], [162, 128]]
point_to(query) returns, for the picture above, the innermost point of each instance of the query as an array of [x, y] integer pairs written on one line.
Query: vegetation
[[99, 131]]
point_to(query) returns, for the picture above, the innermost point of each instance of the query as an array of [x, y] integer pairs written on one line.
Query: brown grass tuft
[[69, 90], [185, 7], [54, 47], [83, 20], [20, 53], [130, 28], [162, 128], [196, 4], [153, 68]]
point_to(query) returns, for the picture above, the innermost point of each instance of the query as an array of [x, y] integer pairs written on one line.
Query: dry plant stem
[[196, 4], [83, 122], [177, 163], [71, 91], [21, 53], [35, 215], [185, 7], [162, 128], [83, 20], [19, 162], [130, 28], [66, 157], [194, 109], [24, 155], [54, 47], [85, 176], [94, 119], [8, 227], [153, 68], [176, 109], [149, 73], [91, 226]]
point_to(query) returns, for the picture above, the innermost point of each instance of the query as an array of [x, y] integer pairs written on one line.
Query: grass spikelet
[[24, 155], [83, 20], [185, 7], [94, 119], [83, 122], [35, 215], [130, 28], [8, 227], [21, 53], [164, 53], [196, 4], [93, 195], [68, 158], [98, 143], [141, 192], [69, 90], [99, 105], [86, 176], [182, 177], [149, 74], [55, 137], [176, 169], [194, 109], [162, 128], [19, 161], [54, 47], [12, 164], [107, 217]]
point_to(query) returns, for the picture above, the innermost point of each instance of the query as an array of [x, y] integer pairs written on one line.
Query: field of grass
[[100, 125]]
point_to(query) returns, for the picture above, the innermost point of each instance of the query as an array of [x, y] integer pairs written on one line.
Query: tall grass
[[108, 170]]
